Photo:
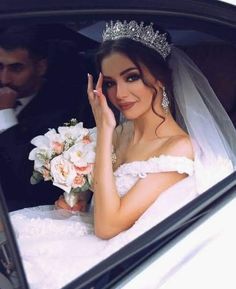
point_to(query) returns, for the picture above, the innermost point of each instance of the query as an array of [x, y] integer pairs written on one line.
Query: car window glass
[[196, 44]]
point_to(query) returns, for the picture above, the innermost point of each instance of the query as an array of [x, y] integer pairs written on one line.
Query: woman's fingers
[[101, 96], [90, 89], [61, 204], [96, 96], [81, 205], [92, 93], [99, 83], [101, 111]]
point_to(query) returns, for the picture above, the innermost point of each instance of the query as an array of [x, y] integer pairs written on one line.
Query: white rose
[[81, 154], [40, 158], [45, 143], [46, 146], [63, 173], [56, 142], [75, 133]]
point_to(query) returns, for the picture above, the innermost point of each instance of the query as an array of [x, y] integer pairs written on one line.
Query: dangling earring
[[165, 101]]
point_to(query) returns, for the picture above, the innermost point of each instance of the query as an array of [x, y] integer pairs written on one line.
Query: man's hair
[[29, 38]]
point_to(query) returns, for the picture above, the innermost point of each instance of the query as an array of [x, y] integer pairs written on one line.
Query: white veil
[[199, 111]]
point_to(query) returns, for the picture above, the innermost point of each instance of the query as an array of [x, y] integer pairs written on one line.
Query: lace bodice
[[53, 241], [127, 174]]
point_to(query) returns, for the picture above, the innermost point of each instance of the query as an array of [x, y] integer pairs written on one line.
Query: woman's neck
[[151, 129]]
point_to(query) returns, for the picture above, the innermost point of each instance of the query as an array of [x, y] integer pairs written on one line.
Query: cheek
[[143, 93], [22, 78], [111, 94], [28, 78]]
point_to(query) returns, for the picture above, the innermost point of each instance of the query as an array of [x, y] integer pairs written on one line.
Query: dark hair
[[139, 54], [25, 37]]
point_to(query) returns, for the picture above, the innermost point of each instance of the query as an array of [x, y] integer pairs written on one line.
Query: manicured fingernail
[[95, 92]]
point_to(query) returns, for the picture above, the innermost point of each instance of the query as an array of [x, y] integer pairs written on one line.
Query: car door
[[197, 26]]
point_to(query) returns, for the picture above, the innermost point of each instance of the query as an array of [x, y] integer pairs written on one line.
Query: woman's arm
[[106, 198], [113, 214]]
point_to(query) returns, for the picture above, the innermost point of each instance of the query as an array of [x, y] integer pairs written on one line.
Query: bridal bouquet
[[66, 157]]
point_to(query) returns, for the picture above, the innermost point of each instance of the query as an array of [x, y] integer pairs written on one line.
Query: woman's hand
[[104, 117], [81, 205]]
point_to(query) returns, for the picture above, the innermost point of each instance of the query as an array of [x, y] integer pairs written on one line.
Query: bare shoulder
[[179, 145]]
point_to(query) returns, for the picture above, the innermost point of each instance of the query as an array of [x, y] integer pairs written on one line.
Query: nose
[[121, 91], [5, 77]]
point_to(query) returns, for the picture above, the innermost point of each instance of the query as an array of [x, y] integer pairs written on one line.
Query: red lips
[[126, 105]]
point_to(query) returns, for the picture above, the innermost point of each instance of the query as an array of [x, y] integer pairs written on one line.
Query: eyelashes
[[128, 78], [108, 84], [133, 77]]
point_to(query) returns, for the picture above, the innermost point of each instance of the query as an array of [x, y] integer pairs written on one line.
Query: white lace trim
[[163, 163]]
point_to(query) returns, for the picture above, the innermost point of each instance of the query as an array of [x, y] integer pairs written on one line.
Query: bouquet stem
[[71, 198]]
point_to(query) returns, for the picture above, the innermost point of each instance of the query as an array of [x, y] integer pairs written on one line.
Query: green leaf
[[36, 178], [84, 188]]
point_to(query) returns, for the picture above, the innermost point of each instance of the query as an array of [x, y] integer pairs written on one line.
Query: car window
[[72, 47], [135, 260], [210, 237]]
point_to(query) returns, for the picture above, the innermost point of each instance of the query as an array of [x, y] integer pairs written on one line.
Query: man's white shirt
[[8, 117]]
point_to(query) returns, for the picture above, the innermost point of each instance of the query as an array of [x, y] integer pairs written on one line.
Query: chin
[[129, 117]]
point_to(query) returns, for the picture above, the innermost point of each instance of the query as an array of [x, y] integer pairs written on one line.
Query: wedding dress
[[57, 246]]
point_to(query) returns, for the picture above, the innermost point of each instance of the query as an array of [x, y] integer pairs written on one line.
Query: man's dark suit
[[55, 104]]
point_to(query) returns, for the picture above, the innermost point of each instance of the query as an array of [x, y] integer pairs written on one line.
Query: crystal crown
[[144, 34]]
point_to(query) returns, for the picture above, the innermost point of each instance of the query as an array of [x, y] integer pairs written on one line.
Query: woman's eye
[[133, 77], [108, 84]]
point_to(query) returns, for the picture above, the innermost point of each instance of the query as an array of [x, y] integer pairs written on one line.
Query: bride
[[169, 148]]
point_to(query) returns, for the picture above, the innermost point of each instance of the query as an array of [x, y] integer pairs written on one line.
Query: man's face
[[20, 72]]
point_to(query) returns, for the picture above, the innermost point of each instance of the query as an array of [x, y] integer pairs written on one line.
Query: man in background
[[31, 101]]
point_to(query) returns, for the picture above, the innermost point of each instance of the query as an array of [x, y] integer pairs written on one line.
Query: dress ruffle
[[128, 174], [57, 246], [159, 164]]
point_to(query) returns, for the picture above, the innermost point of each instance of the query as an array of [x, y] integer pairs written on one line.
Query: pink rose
[[57, 147], [79, 181], [84, 170], [86, 139]]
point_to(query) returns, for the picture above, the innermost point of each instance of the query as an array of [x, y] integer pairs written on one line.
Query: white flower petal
[[40, 141]]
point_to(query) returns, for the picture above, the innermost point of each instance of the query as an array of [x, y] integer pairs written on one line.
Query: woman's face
[[124, 86]]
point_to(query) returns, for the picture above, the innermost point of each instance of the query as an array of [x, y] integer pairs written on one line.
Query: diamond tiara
[[144, 34]]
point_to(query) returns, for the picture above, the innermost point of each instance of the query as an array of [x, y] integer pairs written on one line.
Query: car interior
[[72, 51], [73, 45]]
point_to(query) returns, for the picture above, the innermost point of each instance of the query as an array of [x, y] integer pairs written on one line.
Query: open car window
[[210, 41], [169, 246], [210, 230]]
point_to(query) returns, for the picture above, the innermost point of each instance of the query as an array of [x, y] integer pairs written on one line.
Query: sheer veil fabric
[[199, 111]]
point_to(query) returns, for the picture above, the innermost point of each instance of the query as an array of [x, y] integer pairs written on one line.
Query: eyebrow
[[122, 72], [14, 64]]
